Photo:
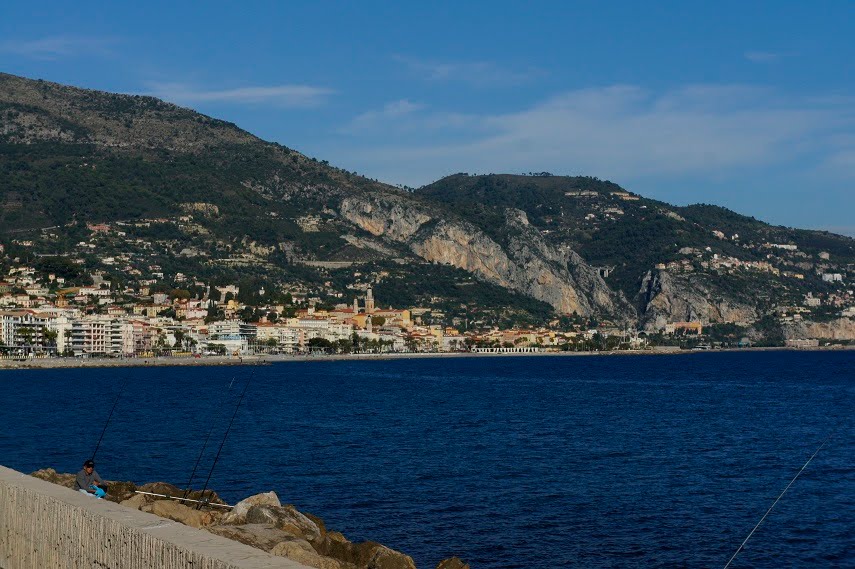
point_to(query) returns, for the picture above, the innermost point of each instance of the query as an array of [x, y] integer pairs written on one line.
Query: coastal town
[[162, 324], [150, 314]]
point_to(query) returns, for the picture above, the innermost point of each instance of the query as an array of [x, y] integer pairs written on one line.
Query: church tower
[[369, 302]]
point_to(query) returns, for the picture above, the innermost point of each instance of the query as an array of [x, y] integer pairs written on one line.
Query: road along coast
[[168, 361]]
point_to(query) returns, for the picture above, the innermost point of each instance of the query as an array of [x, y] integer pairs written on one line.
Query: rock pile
[[260, 521]]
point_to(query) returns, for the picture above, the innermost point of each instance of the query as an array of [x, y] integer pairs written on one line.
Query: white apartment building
[[19, 327], [101, 335], [287, 338], [231, 329], [28, 327], [320, 328], [94, 291]]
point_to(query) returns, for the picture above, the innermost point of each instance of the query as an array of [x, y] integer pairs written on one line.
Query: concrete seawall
[[48, 526]]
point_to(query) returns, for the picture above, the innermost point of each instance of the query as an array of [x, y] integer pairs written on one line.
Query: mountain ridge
[[581, 245]]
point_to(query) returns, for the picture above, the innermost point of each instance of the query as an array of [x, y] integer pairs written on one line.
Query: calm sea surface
[[506, 462]]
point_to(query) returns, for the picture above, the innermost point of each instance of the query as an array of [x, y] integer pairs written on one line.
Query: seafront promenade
[[168, 361]]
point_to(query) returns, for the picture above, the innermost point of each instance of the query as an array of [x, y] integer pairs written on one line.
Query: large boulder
[[277, 542], [318, 522], [260, 536], [180, 513], [288, 519], [171, 490], [301, 551], [54, 477], [238, 514], [364, 555], [136, 502], [384, 558], [119, 491], [162, 488], [452, 563]]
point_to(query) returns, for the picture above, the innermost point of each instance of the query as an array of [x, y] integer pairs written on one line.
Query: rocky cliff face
[[664, 298], [385, 215], [526, 264], [839, 329]]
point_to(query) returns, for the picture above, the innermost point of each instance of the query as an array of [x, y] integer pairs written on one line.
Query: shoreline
[[169, 361]]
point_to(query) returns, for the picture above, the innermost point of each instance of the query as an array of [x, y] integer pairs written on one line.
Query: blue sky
[[749, 105]]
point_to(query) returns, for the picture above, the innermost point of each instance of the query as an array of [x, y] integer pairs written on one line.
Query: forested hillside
[[182, 193]]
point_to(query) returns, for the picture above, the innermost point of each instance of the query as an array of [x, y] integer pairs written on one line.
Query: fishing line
[[779, 497], [167, 496], [207, 438], [231, 422], [110, 416]]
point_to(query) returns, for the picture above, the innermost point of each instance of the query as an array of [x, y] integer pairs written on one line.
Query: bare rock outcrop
[[180, 513], [54, 477], [120, 490], [384, 215], [238, 514], [288, 519], [136, 502], [363, 555], [175, 492], [260, 536], [278, 542], [452, 563], [837, 329], [525, 263], [302, 552], [664, 298], [309, 530]]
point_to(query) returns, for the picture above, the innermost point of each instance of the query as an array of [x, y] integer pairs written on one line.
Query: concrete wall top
[[218, 550]]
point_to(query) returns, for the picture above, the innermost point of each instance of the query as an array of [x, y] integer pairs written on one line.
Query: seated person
[[89, 482]]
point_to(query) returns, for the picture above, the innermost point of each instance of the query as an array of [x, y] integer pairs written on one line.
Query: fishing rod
[[778, 498], [110, 416], [208, 502], [207, 438], [231, 422]]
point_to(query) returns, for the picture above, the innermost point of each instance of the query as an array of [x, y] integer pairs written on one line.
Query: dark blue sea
[[655, 461]]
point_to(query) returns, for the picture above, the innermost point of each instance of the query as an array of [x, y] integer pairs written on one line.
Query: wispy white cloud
[[58, 47], [763, 56], [477, 73], [404, 116], [297, 96], [390, 112], [623, 132], [842, 162]]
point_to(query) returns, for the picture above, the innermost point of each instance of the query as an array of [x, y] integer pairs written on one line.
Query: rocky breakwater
[[260, 521]]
